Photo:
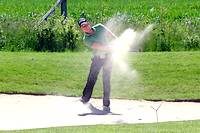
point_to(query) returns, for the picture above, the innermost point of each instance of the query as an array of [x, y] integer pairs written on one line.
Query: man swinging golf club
[[98, 38]]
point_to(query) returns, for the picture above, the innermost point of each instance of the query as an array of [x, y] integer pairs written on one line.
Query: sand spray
[[130, 40]]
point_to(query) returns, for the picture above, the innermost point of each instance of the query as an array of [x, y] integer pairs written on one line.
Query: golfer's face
[[86, 27]]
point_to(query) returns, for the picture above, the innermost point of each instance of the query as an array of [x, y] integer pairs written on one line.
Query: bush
[[2, 39], [18, 35], [51, 35], [192, 42], [179, 35], [46, 40], [56, 36], [72, 36], [177, 24]]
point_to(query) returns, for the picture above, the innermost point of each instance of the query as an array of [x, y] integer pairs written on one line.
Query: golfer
[[98, 38]]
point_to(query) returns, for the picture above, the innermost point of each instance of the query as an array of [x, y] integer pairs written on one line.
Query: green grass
[[169, 127], [170, 75], [143, 9], [161, 76], [177, 21], [57, 73], [24, 8], [165, 76]]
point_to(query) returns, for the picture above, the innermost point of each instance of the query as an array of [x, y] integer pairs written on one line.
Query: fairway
[[161, 76]]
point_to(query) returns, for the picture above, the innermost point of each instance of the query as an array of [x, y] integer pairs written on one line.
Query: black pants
[[97, 64]]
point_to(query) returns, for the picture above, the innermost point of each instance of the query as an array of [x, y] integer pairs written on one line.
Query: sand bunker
[[28, 112]]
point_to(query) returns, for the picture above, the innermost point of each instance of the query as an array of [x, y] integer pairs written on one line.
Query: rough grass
[[160, 76], [177, 22], [143, 10]]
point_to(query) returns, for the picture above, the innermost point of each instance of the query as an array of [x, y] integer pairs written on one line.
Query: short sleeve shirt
[[99, 36]]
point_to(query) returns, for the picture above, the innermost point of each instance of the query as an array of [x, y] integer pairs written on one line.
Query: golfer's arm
[[98, 46]]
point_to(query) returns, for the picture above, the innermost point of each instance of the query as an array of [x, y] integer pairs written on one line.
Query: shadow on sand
[[96, 111]]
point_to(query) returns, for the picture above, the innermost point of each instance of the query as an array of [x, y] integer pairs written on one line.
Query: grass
[[177, 9], [58, 73], [165, 76], [177, 22], [161, 76], [24, 8], [168, 127], [170, 75]]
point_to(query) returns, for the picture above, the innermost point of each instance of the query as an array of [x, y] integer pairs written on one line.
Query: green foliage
[[18, 35], [2, 39], [46, 40], [56, 36], [72, 35], [177, 22], [52, 36]]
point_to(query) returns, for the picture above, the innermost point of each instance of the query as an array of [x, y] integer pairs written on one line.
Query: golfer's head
[[84, 25]]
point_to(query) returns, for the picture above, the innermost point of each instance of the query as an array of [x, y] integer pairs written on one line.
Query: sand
[[29, 112]]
